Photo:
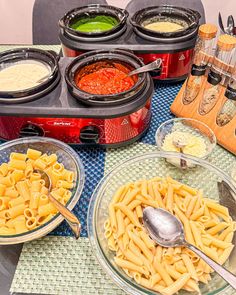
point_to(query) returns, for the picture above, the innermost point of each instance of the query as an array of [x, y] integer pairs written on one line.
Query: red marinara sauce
[[105, 81]]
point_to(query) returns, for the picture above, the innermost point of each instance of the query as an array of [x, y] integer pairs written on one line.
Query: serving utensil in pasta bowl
[[70, 218], [166, 230]]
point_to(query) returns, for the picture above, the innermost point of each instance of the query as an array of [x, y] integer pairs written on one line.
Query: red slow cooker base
[[105, 132], [175, 66]]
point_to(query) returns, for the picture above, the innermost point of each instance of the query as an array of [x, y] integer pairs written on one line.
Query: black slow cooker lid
[[16, 56], [92, 10], [188, 18], [122, 57]]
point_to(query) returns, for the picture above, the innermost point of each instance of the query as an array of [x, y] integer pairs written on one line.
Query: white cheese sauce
[[22, 76], [165, 27]]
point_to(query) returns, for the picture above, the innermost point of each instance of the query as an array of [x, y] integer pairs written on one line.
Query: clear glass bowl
[[191, 126], [70, 160], [204, 176], [233, 171]]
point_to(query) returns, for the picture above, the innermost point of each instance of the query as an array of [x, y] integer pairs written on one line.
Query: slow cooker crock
[[188, 18], [93, 10], [110, 58], [15, 56]]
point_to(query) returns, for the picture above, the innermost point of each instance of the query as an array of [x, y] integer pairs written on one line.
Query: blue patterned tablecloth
[[94, 159]]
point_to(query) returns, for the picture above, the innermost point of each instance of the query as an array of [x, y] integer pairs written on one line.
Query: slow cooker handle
[[57, 56], [197, 15], [126, 15], [64, 27], [61, 23], [133, 22]]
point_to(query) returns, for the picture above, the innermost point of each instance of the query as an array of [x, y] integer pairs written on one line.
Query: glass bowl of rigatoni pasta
[[25, 210], [122, 245]]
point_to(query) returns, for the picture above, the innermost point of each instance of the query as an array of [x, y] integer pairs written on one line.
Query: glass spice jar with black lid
[[202, 55], [218, 73]]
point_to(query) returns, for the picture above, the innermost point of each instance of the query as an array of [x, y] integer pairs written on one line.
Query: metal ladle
[[165, 229], [71, 219]]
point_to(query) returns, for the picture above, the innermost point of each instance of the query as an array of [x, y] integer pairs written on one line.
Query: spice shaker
[[201, 58], [228, 111], [218, 73]]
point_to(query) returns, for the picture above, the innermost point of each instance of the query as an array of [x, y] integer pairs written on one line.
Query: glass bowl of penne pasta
[[122, 245], [26, 212]]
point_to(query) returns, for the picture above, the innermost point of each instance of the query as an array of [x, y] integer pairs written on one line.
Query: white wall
[[16, 17]]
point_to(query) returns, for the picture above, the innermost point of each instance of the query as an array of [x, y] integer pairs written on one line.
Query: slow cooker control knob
[[30, 129], [89, 134]]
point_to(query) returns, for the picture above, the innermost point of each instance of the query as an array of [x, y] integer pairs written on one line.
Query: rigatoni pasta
[[24, 204], [207, 225]]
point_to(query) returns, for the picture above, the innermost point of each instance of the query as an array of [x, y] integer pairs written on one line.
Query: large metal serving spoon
[[71, 219], [147, 68], [166, 230]]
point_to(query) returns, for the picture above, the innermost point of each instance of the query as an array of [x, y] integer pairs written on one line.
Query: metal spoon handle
[[225, 274], [72, 220], [149, 67]]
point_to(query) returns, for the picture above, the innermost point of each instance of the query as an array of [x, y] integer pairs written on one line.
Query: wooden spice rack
[[225, 134]]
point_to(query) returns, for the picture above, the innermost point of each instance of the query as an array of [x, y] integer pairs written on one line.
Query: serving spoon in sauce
[[71, 219], [147, 68], [166, 230]]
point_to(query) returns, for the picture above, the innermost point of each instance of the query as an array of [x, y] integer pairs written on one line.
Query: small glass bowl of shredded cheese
[[186, 136]]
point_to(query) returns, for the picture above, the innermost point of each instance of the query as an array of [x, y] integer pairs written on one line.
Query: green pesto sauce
[[96, 24]]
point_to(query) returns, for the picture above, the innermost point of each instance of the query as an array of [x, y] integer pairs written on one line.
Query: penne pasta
[[177, 285], [170, 198], [130, 196], [141, 245], [189, 266], [120, 223], [217, 207], [128, 213], [196, 234], [191, 206], [163, 273], [133, 258], [131, 266], [112, 216], [217, 228], [197, 214]]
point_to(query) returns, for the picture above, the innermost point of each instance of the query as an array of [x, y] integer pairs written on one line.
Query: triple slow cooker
[[174, 48], [59, 109]]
